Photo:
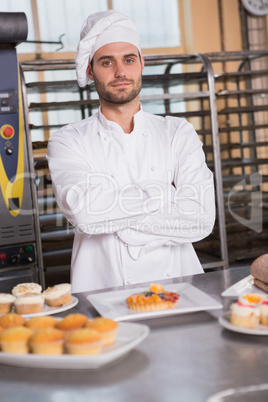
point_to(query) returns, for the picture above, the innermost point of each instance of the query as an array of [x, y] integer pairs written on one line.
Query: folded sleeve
[[188, 215]]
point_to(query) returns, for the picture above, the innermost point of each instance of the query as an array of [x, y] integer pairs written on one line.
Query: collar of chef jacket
[[111, 125]]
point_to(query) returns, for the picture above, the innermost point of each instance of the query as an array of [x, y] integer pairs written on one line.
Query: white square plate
[[113, 304], [241, 287]]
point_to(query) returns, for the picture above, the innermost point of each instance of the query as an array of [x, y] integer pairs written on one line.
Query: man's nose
[[120, 70]]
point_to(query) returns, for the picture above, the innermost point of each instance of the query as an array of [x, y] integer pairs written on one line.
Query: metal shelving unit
[[222, 107]]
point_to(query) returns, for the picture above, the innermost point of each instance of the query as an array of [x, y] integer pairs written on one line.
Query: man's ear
[[89, 72], [142, 63]]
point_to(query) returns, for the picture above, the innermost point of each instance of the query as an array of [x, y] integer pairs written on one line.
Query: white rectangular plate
[[113, 304], [244, 286], [129, 335]]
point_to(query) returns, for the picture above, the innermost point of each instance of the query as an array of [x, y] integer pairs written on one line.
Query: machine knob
[[5, 102], [14, 259], [3, 256], [9, 151]]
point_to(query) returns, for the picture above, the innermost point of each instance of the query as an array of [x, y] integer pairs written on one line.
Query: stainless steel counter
[[187, 357]]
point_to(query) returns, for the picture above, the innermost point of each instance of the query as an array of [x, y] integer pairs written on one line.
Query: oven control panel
[[19, 255]]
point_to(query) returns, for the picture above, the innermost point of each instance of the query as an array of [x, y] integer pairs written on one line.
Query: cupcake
[[6, 302], [15, 340], [12, 320], [264, 312], [58, 295], [22, 288], [106, 327], [72, 322], [49, 341], [244, 315], [29, 303], [84, 341], [251, 299], [43, 322]]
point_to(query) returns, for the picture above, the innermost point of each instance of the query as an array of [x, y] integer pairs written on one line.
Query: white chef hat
[[98, 30]]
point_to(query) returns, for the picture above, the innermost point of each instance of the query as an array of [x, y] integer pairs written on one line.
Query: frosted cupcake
[[251, 299], [15, 340], [6, 302], [58, 295], [244, 315], [29, 303], [22, 288], [264, 312], [84, 342], [48, 341], [106, 327]]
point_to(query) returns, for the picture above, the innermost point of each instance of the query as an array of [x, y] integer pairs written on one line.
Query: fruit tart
[[154, 299]]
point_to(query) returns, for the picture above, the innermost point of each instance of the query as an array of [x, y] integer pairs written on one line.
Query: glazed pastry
[[12, 320], [106, 327], [72, 322], [15, 340], [84, 341], [49, 341], [41, 322], [154, 299]]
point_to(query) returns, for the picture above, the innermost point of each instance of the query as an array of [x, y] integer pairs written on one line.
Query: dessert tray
[[225, 322], [128, 337], [245, 285], [113, 304], [54, 310]]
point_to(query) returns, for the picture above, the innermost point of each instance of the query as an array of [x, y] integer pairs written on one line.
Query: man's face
[[117, 72]]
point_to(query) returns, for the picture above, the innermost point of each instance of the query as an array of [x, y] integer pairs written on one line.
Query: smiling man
[[134, 185]]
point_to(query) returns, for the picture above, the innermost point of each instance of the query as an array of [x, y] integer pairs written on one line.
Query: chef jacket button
[[153, 168], [145, 134], [105, 138], [125, 244], [168, 274], [128, 282]]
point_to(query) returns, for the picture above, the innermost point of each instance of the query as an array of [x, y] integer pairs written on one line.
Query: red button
[[3, 257], [8, 131]]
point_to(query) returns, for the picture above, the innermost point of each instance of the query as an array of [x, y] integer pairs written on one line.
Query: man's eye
[[129, 61], [106, 63]]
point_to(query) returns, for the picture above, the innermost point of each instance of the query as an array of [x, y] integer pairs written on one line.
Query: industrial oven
[[20, 242]]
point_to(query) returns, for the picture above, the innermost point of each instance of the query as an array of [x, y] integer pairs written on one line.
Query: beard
[[122, 95]]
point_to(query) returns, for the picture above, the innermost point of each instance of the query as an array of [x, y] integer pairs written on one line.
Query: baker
[[134, 185]]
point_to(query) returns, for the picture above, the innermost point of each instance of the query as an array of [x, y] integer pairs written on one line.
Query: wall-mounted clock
[[256, 7]]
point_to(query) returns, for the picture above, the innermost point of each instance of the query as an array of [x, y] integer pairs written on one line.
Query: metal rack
[[181, 85]]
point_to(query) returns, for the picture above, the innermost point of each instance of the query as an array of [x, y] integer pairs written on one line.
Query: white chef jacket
[[137, 201]]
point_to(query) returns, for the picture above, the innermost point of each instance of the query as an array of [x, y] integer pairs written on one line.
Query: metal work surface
[[185, 358]]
